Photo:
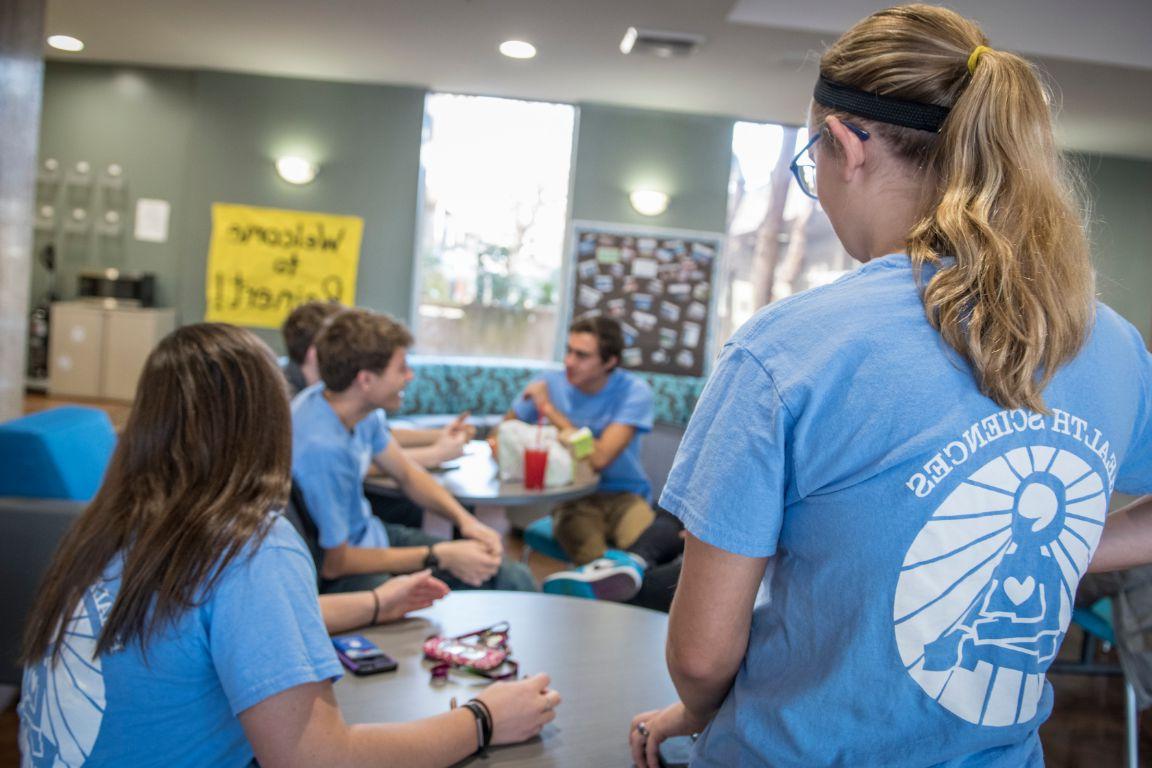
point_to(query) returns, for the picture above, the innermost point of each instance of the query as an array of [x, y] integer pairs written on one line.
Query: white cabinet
[[97, 351]]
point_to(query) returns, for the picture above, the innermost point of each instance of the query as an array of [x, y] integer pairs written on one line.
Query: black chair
[[297, 513], [30, 531]]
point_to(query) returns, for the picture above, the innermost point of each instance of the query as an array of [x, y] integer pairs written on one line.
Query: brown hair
[[204, 458], [357, 340], [302, 324], [1019, 300], [609, 336]]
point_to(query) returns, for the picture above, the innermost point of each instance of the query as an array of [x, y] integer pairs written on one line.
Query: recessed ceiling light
[[517, 49], [66, 43]]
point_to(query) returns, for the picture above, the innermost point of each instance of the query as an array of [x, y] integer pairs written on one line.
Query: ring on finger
[[642, 729]]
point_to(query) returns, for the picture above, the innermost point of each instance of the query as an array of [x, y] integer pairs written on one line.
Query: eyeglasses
[[805, 173]]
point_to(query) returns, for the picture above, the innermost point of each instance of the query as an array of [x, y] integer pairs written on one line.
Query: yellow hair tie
[[975, 57]]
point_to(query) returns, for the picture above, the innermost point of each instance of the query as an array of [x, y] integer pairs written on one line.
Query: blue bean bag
[[57, 454]]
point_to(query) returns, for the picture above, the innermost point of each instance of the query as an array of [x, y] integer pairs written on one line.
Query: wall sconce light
[[649, 202], [296, 170]]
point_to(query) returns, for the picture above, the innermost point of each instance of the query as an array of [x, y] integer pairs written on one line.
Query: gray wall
[[1122, 235], [139, 118], [687, 156], [195, 138], [366, 139]]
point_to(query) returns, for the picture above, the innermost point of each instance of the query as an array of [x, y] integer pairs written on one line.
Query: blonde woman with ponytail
[[893, 484]]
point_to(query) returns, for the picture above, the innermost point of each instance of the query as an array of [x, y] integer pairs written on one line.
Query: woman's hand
[[659, 724], [520, 709], [411, 592]]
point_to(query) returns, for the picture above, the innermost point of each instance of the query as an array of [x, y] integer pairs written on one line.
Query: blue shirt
[[257, 633], [329, 462], [624, 399], [926, 543]]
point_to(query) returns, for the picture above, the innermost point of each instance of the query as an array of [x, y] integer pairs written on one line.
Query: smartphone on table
[[361, 656]]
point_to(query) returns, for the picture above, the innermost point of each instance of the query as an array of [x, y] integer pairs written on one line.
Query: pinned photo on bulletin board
[[656, 283]]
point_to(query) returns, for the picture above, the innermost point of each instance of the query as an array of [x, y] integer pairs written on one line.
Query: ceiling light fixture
[[296, 170], [518, 49], [649, 202], [66, 43]]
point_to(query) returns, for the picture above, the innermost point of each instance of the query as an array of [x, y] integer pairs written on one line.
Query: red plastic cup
[[535, 462]]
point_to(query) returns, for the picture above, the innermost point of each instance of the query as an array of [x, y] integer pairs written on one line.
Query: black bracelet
[[376, 603], [484, 719], [483, 722]]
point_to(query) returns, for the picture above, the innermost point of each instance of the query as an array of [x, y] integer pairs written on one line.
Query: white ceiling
[[759, 61]]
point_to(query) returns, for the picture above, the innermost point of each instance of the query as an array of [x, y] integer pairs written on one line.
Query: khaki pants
[[586, 527]]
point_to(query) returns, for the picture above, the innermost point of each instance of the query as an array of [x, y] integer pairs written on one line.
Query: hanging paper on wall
[[263, 262]]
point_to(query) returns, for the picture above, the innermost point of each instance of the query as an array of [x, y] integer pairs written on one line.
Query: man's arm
[[414, 438], [606, 449], [1127, 538], [432, 447], [346, 560], [709, 623], [426, 493]]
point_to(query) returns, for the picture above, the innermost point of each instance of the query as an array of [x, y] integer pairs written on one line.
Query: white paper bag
[[514, 436]]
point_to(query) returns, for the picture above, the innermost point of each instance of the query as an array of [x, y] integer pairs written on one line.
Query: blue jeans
[[512, 576]]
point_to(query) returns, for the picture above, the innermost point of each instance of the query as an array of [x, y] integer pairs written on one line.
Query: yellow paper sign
[[263, 262]]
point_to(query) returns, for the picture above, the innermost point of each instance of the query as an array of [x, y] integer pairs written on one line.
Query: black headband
[[884, 109]]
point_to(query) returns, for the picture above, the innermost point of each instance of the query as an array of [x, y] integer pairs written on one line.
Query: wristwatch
[[430, 559]]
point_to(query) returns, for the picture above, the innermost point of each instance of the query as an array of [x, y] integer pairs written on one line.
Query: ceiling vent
[[666, 45]]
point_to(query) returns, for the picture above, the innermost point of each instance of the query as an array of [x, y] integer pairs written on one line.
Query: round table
[[605, 659], [474, 480]]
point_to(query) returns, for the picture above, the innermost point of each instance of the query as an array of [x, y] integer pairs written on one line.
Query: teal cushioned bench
[[485, 386]]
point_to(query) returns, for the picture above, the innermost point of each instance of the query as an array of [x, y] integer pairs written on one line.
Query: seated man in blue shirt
[[429, 447], [617, 406], [338, 430]]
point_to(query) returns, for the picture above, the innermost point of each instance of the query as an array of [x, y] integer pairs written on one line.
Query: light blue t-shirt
[[624, 399], [927, 543], [329, 462], [257, 633]]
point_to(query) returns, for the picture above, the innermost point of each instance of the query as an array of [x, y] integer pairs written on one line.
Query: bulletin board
[[657, 284]]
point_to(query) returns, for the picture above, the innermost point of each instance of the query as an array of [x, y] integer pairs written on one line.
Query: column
[[21, 93]]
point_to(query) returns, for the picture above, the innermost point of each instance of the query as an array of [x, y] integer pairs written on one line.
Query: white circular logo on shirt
[[986, 589], [62, 704]]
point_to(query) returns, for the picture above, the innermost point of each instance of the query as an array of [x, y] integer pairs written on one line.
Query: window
[[779, 241], [492, 226]]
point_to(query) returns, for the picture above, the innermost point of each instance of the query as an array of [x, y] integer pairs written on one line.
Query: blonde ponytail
[[1015, 290]]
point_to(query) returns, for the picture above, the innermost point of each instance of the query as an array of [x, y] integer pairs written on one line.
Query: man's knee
[[514, 577]]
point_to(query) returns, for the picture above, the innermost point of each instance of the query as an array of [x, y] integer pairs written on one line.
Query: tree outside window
[[492, 225]]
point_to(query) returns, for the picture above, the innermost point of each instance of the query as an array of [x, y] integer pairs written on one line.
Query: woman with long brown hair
[[893, 484], [179, 623]]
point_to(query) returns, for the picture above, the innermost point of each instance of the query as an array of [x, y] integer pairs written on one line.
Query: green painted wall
[[194, 138], [366, 139], [138, 118], [687, 156], [1122, 235]]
